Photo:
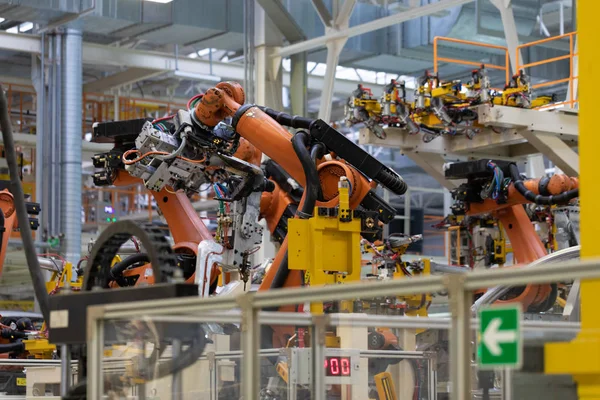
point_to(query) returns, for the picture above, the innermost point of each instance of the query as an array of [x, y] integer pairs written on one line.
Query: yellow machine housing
[[327, 246], [39, 348], [416, 303]]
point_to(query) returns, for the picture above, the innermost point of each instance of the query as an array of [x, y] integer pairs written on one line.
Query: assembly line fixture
[[460, 288]]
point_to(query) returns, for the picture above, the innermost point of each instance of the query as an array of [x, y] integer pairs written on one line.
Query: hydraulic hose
[[37, 276], [2, 228], [293, 121], [116, 272], [562, 198], [18, 347], [151, 371], [11, 334], [119, 267], [317, 151], [281, 274], [300, 142], [283, 179]]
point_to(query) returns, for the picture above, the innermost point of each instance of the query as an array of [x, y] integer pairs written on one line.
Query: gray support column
[[52, 142], [510, 31], [269, 84], [334, 48], [298, 83], [70, 163], [268, 88], [37, 77], [341, 16]]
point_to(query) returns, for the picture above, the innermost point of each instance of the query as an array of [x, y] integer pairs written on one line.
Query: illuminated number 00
[[345, 366]]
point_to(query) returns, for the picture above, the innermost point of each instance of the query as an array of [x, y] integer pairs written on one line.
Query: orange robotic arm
[[187, 228], [508, 209], [263, 131]]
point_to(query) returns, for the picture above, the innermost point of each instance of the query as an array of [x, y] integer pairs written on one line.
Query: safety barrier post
[[319, 332], [460, 337], [250, 328]]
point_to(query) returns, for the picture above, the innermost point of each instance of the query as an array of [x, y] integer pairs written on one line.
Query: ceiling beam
[[127, 77], [370, 26], [96, 54], [282, 20], [323, 12]]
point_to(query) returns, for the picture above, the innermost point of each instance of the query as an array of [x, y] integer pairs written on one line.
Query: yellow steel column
[[581, 358]]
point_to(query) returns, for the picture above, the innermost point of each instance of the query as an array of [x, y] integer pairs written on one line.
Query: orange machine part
[[255, 126], [273, 205], [329, 177], [247, 152], [184, 222], [219, 102], [186, 227], [282, 333], [272, 139], [557, 184], [527, 246], [7, 204]]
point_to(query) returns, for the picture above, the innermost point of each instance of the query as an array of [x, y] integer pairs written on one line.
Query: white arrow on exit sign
[[493, 336], [499, 339]]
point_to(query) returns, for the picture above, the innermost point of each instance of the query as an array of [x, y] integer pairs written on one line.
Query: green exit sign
[[499, 337]]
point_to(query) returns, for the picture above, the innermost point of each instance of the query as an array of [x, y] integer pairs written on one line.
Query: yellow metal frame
[[581, 357], [327, 248]]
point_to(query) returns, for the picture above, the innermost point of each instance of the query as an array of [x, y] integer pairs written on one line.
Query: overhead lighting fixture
[[159, 1], [195, 76], [24, 27], [205, 52]]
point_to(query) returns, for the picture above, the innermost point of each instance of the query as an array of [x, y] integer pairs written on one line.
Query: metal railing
[[571, 56], [437, 58], [246, 309]]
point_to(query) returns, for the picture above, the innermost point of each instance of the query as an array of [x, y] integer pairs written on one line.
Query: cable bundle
[[494, 188]]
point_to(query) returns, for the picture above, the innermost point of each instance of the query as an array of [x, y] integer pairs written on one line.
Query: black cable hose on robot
[[293, 121], [317, 151], [300, 142], [2, 228], [117, 270], [18, 347], [37, 276], [562, 198]]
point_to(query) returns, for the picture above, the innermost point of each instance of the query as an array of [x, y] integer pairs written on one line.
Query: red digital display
[[338, 366]]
